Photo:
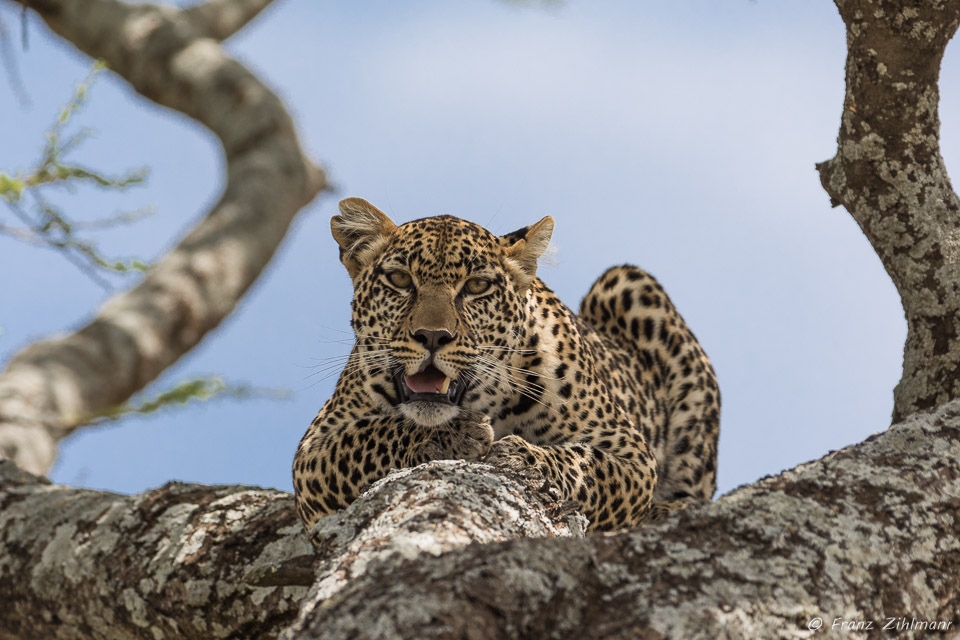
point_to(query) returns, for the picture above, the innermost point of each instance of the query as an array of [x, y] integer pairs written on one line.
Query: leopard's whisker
[[530, 390], [504, 348], [349, 332], [328, 328], [519, 370], [332, 369], [351, 353], [350, 367], [352, 359], [344, 357], [357, 339]]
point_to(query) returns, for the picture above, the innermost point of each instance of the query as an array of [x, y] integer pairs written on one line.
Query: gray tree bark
[[869, 534], [888, 173], [195, 561], [181, 561], [172, 57]]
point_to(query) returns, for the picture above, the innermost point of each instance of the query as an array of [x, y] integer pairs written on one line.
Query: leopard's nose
[[433, 339]]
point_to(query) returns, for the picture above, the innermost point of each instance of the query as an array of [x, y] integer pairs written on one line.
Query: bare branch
[[49, 388], [867, 533]]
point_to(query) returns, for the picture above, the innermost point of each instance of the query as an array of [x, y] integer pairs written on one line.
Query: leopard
[[461, 352]]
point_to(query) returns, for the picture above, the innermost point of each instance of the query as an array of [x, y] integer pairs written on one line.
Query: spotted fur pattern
[[617, 405]]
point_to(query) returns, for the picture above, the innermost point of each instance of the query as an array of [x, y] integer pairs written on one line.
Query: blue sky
[[680, 137]]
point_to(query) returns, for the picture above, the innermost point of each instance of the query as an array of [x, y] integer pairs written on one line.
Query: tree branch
[[425, 512], [889, 175], [55, 385], [866, 533], [193, 561], [168, 563]]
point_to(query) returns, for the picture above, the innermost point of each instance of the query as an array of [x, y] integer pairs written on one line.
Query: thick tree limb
[[867, 533], [168, 563], [167, 55], [427, 511], [889, 175], [193, 561]]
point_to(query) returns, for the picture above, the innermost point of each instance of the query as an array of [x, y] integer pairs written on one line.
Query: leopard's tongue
[[430, 380]]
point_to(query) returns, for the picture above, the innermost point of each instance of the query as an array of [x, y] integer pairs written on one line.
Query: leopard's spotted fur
[[618, 405]]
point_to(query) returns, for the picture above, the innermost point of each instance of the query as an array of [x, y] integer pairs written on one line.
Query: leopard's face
[[440, 315], [437, 315]]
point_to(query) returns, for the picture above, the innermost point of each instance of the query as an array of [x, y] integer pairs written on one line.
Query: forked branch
[[172, 57]]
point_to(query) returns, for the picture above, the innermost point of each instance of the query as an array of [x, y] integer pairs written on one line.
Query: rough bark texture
[[172, 57], [168, 563], [194, 561], [427, 511], [889, 175], [867, 533]]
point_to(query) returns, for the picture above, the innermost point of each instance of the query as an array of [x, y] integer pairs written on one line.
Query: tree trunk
[[889, 175], [172, 57]]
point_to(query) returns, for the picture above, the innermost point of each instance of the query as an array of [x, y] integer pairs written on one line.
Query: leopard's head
[[440, 309]]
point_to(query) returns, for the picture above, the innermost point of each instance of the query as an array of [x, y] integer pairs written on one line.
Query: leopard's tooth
[[445, 385]]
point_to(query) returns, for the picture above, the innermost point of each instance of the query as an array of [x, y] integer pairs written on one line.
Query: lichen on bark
[[427, 511], [168, 563], [889, 175], [866, 533]]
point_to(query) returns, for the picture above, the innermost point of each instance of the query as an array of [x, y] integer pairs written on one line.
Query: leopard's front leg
[[614, 491], [340, 455]]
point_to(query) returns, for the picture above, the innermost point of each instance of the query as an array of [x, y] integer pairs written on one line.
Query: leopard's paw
[[467, 438], [513, 452], [663, 509], [470, 438], [524, 458]]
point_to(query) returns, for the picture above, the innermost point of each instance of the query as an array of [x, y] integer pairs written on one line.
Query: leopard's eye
[[400, 279], [476, 286]]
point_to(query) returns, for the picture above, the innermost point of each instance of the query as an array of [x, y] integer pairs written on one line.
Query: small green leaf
[[183, 393], [11, 188]]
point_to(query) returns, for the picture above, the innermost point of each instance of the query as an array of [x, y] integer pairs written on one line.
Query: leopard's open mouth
[[429, 385]]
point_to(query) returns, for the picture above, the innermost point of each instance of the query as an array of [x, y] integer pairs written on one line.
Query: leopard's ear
[[524, 246], [362, 231]]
